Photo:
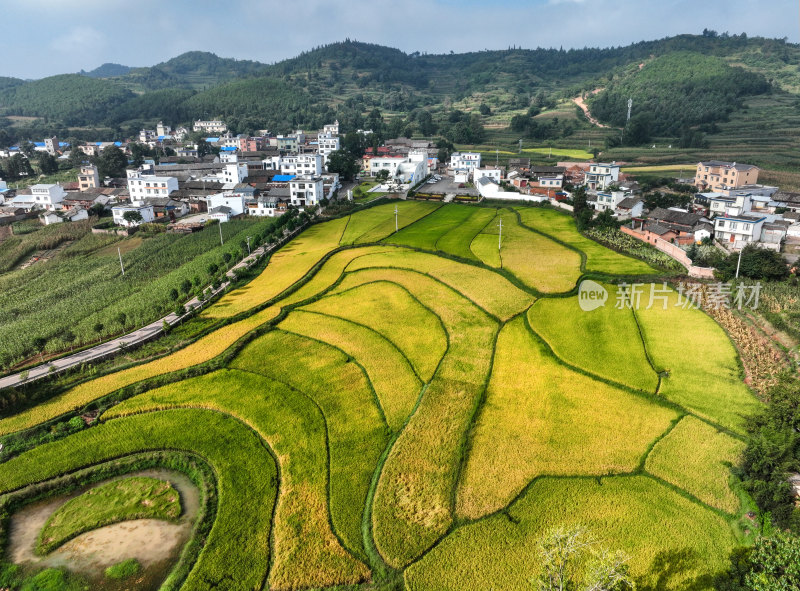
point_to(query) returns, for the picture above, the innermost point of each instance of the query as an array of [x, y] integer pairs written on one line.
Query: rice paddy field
[[416, 407]]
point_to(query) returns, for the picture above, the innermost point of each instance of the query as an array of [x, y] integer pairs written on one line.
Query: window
[[734, 225]]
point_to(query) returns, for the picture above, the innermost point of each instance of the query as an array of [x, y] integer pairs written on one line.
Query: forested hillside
[[677, 91], [107, 70], [70, 98], [685, 82]]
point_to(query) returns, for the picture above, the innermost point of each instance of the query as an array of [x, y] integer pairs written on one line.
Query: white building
[[233, 201], [234, 172], [75, 214], [554, 181], [301, 164], [162, 129], [630, 207], [601, 176], [142, 186], [740, 230], [267, 206], [465, 160], [147, 135], [609, 200], [48, 196], [51, 145], [388, 163], [493, 173], [327, 143], [331, 128], [305, 190], [722, 205], [210, 126], [222, 214], [119, 211]]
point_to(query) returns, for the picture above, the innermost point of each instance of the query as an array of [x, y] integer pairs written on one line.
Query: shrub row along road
[[114, 346]]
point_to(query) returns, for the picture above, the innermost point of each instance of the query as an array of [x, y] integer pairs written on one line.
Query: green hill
[[678, 90], [107, 70], [70, 98]]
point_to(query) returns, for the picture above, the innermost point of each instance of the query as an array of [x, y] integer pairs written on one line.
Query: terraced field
[[421, 406]]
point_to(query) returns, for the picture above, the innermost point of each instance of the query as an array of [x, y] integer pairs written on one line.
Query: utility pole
[[220, 234], [395, 219], [248, 246], [739, 262], [119, 252], [500, 235]]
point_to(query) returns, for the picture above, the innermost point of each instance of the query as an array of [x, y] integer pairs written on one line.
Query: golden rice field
[[418, 407]]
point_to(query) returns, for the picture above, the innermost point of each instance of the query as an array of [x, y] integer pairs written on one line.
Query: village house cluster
[[259, 175], [266, 174]]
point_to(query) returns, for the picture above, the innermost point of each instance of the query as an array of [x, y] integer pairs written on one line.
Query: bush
[[123, 570]]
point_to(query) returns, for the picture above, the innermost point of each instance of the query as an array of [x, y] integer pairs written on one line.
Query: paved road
[[110, 348]]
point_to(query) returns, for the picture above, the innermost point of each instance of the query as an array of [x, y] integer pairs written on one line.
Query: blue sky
[[56, 36]]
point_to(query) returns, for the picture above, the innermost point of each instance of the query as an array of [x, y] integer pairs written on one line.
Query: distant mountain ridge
[[107, 70], [349, 79]]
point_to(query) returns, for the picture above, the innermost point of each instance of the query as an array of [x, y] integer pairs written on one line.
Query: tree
[[186, 286], [772, 564], [77, 158], [132, 217], [344, 163], [484, 109], [47, 163], [756, 263], [571, 559], [355, 143], [121, 319], [111, 162], [382, 175]]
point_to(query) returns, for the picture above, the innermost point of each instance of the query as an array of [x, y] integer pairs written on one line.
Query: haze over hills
[[678, 82]]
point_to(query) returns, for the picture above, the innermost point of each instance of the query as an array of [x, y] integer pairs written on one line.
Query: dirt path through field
[[155, 544], [585, 108]]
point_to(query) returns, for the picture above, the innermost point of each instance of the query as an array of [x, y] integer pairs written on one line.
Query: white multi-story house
[[331, 128], [51, 145], [267, 206], [388, 163], [119, 211], [233, 201], [465, 160], [601, 176], [721, 205], [142, 186], [214, 126], [609, 200], [147, 136], [234, 172], [327, 143], [48, 197], [493, 173], [162, 129], [306, 190], [302, 164], [738, 231]]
